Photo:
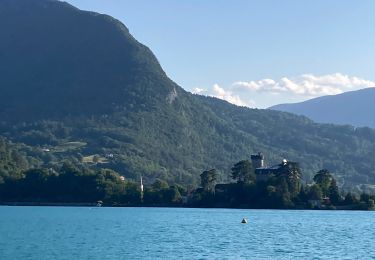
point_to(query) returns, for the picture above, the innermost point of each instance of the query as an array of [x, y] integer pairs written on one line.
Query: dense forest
[[70, 185], [282, 190], [85, 93]]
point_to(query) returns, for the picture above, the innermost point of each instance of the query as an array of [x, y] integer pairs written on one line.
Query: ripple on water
[[164, 233]]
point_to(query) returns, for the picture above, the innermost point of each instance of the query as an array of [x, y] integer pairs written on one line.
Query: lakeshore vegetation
[[97, 98], [70, 183], [88, 106]]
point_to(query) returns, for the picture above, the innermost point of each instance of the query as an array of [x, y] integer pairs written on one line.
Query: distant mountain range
[[76, 86], [350, 108]]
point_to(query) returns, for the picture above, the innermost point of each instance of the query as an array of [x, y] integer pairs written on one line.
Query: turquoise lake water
[[167, 233]]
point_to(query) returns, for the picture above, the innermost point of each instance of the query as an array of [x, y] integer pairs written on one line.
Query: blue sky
[[255, 53]]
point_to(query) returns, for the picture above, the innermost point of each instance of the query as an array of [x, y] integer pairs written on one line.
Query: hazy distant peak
[[353, 108]]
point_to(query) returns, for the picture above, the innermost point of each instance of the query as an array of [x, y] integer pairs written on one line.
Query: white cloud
[[270, 92], [227, 95], [307, 85], [198, 91]]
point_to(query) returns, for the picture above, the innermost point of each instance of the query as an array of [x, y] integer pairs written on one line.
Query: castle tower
[[257, 160]]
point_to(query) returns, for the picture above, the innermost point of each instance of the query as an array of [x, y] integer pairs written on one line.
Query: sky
[[255, 53]]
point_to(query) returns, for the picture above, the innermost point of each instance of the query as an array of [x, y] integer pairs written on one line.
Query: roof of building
[[274, 167], [263, 170], [257, 156]]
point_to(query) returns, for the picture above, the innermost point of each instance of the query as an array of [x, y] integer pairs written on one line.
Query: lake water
[[167, 233]]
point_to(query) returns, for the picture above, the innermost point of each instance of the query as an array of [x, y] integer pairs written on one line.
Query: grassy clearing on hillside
[[95, 158], [69, 146]]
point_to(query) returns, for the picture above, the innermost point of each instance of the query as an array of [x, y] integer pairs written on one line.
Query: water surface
[[168, 233]]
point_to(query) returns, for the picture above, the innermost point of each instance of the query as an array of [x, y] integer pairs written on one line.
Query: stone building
[[264, 172]]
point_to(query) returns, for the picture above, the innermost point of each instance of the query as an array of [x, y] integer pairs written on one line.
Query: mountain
[[76, 86], [82, 63], [352, 108]]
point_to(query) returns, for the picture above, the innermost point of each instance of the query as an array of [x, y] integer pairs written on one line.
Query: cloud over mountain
[[287, 89], [227, 95], [307, 85]]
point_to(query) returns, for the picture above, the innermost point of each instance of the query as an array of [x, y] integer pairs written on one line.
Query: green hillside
[[77, 86]]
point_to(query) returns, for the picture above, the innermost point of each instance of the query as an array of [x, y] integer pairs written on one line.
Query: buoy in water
[[244, 221]]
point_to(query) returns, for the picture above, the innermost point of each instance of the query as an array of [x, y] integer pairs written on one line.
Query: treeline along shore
[[252, 186]]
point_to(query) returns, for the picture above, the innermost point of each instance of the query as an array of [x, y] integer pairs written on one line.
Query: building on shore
[[263, 172], [257, 160]]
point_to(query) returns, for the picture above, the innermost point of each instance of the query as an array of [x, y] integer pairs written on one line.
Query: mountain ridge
[[93, 91], [66, 41], [350, 108]]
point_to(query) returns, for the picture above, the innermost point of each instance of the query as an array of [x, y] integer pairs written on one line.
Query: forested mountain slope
[[77, 86]]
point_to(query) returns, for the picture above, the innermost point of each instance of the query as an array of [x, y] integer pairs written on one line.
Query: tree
[[133, 193], [110, 185], [364, 197], [159, 185], [315, 192], [323, 178], [243, 172], [172, 195], [350, 199], [303, 195], [370, 204], [291, 173], [35, 184], [284, 194], [208, 180], [333, 192]]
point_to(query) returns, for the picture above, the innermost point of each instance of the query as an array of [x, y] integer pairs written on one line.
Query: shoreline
[[85, 204], [54, 204]]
